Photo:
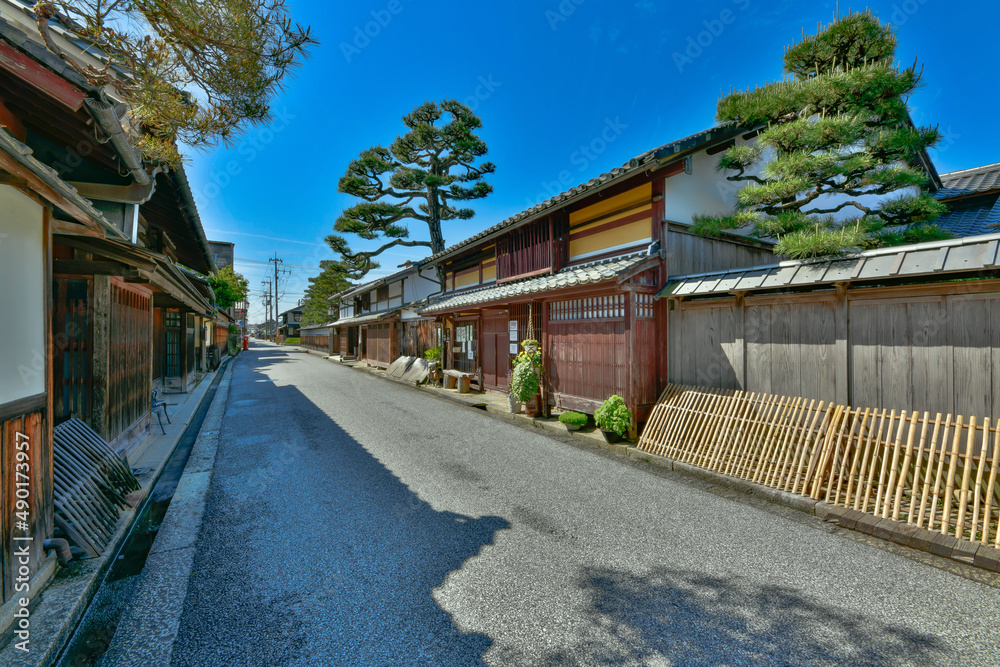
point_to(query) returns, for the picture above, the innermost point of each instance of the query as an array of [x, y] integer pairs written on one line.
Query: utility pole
[[276, 262]]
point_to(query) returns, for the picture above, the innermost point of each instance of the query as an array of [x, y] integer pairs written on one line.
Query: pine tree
[[191, 71], [316, 304], [433, 166], [835, 135]]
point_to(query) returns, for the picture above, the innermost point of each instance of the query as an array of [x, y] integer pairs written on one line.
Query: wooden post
[[101, 318], [543, 346], [842, 354], [631, 383]]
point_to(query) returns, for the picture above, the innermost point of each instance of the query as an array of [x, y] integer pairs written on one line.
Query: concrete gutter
[[58, 608]]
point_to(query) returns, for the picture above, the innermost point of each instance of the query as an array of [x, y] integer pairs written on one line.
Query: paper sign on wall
[[470, 354], [513, 348]]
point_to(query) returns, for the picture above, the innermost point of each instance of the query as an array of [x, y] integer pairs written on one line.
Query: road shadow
[[683, 617], [312, 552]]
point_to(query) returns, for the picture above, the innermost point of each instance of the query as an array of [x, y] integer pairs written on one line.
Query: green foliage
[[292, 340], [837, 136], [229, 287], [316, 305], [433, 354], [613, 415], [199, 72], [574, 418], [524, 382], [421, 176]]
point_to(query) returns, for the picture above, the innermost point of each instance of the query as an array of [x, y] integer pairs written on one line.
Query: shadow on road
[[313, 552], [683, 617]]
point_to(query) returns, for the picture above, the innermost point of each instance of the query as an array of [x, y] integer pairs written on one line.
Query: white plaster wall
[[706, 191], [22, 296]]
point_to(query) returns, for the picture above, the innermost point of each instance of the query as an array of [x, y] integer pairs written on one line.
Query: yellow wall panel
[[466, 280], [489, 273], [636, 231], [624, 200], [648, 209]]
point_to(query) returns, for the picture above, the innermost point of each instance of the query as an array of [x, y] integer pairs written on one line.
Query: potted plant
[[526, 378], [613, 418], [573, 421]]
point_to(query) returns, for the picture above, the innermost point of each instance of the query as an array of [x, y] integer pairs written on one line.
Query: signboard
[[513, 348]]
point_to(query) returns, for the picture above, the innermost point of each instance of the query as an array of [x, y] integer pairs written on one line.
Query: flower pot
[[531, 407], [611, 436], [572, 427], [513, 404]]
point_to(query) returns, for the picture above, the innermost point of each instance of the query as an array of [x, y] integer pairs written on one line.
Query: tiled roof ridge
[[634, 164], [964, 172]]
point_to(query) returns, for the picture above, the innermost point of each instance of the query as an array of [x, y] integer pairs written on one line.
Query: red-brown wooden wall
[[38, 476]]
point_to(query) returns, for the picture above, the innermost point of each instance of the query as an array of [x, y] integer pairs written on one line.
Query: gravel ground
[[353, 521]]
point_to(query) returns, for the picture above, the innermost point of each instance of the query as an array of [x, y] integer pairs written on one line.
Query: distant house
[[973, 197], [379, 320], [223, 253], [289, 323]]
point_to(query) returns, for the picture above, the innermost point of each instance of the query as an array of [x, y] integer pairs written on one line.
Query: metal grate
[[91, 483]]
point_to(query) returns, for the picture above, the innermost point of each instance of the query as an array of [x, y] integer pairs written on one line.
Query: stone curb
[[63, 602], [921, 539]]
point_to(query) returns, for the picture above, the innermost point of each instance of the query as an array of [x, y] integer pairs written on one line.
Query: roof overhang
[[973, 255]]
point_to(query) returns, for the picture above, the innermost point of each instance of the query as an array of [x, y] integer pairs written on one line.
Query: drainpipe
[[108, 120], [61, 548]]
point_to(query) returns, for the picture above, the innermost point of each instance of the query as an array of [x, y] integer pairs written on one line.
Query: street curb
[[63, 602], [157, 602]]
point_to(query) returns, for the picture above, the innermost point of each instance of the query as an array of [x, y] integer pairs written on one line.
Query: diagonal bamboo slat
[[933, 473]]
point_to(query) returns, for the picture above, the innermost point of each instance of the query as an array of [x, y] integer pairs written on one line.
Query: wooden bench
[[462, 380]]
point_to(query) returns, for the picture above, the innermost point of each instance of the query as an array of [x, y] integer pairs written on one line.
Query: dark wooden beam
[[88, 266]]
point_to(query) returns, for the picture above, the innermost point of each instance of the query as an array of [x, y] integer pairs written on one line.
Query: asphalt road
[[354, 521]]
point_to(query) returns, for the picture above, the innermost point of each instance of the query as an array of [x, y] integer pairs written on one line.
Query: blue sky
[[566, 90]]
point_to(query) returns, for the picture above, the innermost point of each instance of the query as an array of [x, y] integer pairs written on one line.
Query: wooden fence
[[936, 473], [929, 347]]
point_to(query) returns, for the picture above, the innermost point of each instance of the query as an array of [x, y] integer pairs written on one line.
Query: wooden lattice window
[[644, 305], [591, 308]]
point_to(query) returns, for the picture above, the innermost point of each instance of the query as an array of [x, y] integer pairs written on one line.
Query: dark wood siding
[[496, 349], [418, 337], [524, 251], [72, 351], [130, 339], [35, 490], [587, 349]]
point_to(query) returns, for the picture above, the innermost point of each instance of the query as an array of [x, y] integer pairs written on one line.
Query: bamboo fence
[[936, 473]]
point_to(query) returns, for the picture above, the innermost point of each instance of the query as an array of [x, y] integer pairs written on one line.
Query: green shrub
[[295, 340], [433, 354], [574, 418], [613, 415], [523, 382]]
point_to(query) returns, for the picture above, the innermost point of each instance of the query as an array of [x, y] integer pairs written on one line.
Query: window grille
[[644, 305], [591, 308]]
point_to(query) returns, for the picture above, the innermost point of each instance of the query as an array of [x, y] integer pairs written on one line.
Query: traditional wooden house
[[578, 272], [379, 320], [289, 323], [90, 241]]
